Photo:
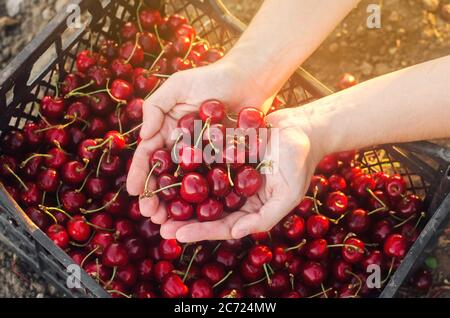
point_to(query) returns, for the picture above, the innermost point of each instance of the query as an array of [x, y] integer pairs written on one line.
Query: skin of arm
[[407, 105]]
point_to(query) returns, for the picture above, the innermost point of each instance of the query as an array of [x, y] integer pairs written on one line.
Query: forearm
[[408, 105], [283, 35]]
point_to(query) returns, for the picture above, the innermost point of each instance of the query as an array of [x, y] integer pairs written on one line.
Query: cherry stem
[[107, 204], [160, 55], [43, 118], [269, 281], [223, 279], [74, 119], [97, 270], [255, 282], [184, 250], [336, 221], [88, 255], [422, 215], [197, 250], [111, 95], [264, 164], [216, 248], [104, 142], [118, 111], [43, 197], [229, 175], [383, 205], [389, 272], [84, 182], [404, 221], [323, 290], [113, 275], [34, 156], [292, 280], [137, 16], [86, 163], [111, 291], [97, 171], [5, 166], [99, 227], [57, 193], [76, 90], [50, 215], [189, 49], [200, 137], [85, 122], [299, 245], [359, 282], [132, 129], [146, 191], [392, 214], [159, 39], [210, 141], [134, 48], [50, 208], [165, 188], [174, 148], [321, 293], [153, 90], [161, 75], [316, 206], [376, 211], [231, 118], [177, 171], [347, 245]]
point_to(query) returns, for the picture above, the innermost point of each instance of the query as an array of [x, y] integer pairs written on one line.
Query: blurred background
[[412, 31]]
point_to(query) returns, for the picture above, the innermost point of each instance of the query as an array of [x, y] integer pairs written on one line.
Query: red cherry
[[180, 210], [116, 142], [145, 268], [175, 21], [111, 167], [164, 160], [162, 269], [31, 196], [78, 229], [178, 64], [187, 122], [121, 90], [71, 81], [317, 226], [247, 181], [249, 272], [132, 52], [213, 272], [186, 30], [181, 45], [233, 201], [149, 43], [336, 203], [341, 270], [212, 110], [362, 184], [58, 136], [74, 172], [38, 217], [147, 230], [124, 228], [170, 249], [173, 287], [99, 75], [121, 69], [357, 221], [97, 270], [135, 248], [374, 257], [194, 188], [218, 182], [48, 180], [102, 220], [201, 288], [209, 210], [313, 274], [115, 255], [319, 185], [58, 235], [129, 30], [317, 250], [293, 227], [226, 257], [53, 107], [260, 255], [279, 282], [381, 230], [395, 246], [337, 183], [380, 179], [165, 180], [108, 48], [85, 60], [251, 118], [96, 187], [150, 19], [306, 207], [33, 139], [353, 251], [190, 158], [408, 206], [328, 165], [133, 109], [100, 241], [346, 156]]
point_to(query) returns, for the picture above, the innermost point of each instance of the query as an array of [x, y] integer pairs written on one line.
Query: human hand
[[293, 162], [181, 94]]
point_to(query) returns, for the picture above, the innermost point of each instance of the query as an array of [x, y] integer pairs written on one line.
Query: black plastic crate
[[30, 76]]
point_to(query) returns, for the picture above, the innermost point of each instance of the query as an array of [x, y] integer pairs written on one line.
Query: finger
[[161, 214], [140, 167], [214, 230], [156, 106], [149, 205], [269, 215], [169, 229]]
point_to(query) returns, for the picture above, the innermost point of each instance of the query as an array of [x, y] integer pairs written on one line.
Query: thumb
[[269, 215], [157, 106]]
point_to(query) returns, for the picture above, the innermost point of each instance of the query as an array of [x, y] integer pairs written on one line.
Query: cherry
[[186, 123], [121, 69], [257, 291], [357, 221], [78, 229], [260, 255], [408, 206], [194, 189], [250, 118], [132, 52], [201, 288], [108, 48], [318, 186], [149, 43], [58, 235], [127, 274], [111, 167], [353, 250], [87, 150], [317, 226], [31, 195], [100, 241], [186, 30], [38, 217], [150, 19], [116, 141], [374, 257], [32, 166], [317, 250], [336, 235], [161, 269], [116, 289], [97, 127], [213, 272], [129, 30], [181, 45], [313, 274], [170, 249], [178, 64], [144, 82], [362, 184], [102, 220], [71, 82], [346, 157], [233, 155], [381, 230], [337, 183], [124, 228], [395, 186], [380, 179], [291, 294], [69, 138], [247, 181], [233, 201], [306, 207], [175, 21], [347, 80], [96, 187], [58, 136], [226, 257], [395, 246], [85, 60], [13, 142], [336, 203], [249, 272], [161, 161], [145, 268], [121, 90], [180, 210], [209, 210], [374, 203], [341, 270], [48, 180], [73, 172], [422, 280], [164, 181], [115, 203], [98, 270], [329, 164], [190, 158], [173, 287], [33, 139], [115, 255], [278, 283], [281, 256], [260, 237], [293, 227], [99, 75], [213, 110], [147, 230]]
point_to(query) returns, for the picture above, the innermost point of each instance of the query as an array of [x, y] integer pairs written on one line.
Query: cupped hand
[[181, 94], [293, 162]]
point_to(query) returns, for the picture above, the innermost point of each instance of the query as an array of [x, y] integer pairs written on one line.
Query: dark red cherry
[[337, 183], [38, 217], [251, 118], [260, 255], [32, 195], [161, 269], [395, 246], [328, 165], [135, 248], [149, 43], [48, 180], [408, 206], [190, 158], [59, 136], [172, 286], [336, 203], [201, 288], [73, 172], [124, 228], [180, 210], [121, 69], [341, 270], [165, 180], [146, 268], [247, 181], [150, 19], [374, 257], [395, 186], [164, 160], [13, 142], [319, 185], [58, 235], [85, 60], [111, 166], [32, 138], [381, 230], [362, 184], [353, 250], [313, 274], [115, 255], [317, 250], [317, 226], [121, 90], [212, 110], [102, 220], [132, 52], [194, 188], [357, 221], [293, 227], [218, 182], [209, 210], [129, 30], [100, 241], [78, 229], [233, 201]]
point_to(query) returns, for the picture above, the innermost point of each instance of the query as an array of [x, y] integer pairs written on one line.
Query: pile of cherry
[[68, 169]]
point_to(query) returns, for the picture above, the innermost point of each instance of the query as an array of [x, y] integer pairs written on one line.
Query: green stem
[[223, 279], [197, 250], [5, 166], [107, 204], [23, 163]]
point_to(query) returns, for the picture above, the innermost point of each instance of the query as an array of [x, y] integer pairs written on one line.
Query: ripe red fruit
[[233, 201], [293, 227], [121, 90], [173, 287], [357, 221], [353, 250], [336, 203], [48, 180], [395, 246], [328, 164], [218, 182], [313, 274], [212, 110], [260, 255], [85, 60], [78, 229], [194, 188], [247, 181], [170, 249], [209, 210], [180, 210], [150, 19], [115, 255], [163, 158], [201, 288], [317, 226], [58, 235], [251, 118]]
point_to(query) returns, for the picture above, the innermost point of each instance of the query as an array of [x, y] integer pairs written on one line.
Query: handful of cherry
[[67, 170]]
